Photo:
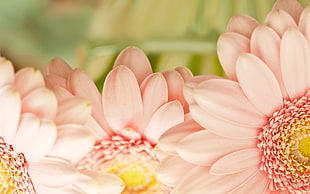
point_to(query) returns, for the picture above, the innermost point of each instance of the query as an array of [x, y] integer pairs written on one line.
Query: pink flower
[[39, 136], [257, 121], [135, 108]]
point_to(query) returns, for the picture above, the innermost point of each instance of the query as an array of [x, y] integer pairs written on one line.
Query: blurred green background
[[90, 33]]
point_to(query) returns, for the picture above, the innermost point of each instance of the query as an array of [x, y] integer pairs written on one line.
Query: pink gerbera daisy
[[135, 108], [36, 129], [258, 121]]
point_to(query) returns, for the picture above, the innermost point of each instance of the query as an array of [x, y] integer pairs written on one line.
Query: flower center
[[285, 143], [14, 177], [134, 161]]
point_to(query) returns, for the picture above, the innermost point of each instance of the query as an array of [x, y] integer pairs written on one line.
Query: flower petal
[[41, 102], [136, 61], [175, 85], [53, 172], [236, 162], [304, 25], [292, 7], [73, 142], [167, 116], [28, 79], [295, 60], [259, 84], [269, 53], [242, 24], [280, 21], [170, 138], [59, 67], [122, 103], [6, 72], [204, 147], [212, 95], [53, 80], [184, 72], [229, 46]]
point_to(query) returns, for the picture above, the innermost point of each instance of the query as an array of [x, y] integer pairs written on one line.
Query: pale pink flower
[[39, 135], [257, 122], [135, 108]]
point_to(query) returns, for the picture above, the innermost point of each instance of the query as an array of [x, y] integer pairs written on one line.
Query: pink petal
[[295, 60], [280, 21], [80, 84], [154, 91], [41, 102], [53, 80], [167, 116], [10, 104], [290, 6], [259, 84], [172, 169], [236, 162], [199, 181], [304, 25], [269, 53], [212, 95], [136, 61], [53, 172], [222, 127], [229, 46], [28, 79], [58, 66], [185, 73], [43, 142], [258, 183], [122, 103], [170, 138], [27, 131], [204, 147], [73, 110], [242, 24], [73, 142], [96, 129], [175, 84], [6, 71]]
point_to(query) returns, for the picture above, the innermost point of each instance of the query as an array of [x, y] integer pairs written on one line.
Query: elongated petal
[[191, 149], [269, 53], [96, 129], [53, 80], [73, 110], [242, 24], [185, 73], [172, 170], [10, 104], [28, 79], [53, 172], [59, 67], [259, 84], [122, 103], [167, 116], [295, 60], [198, 181], [229, 46], [154, 91], [175, 85], [280, 21], [212, 96], [170, 138], [6, 72], [236, 162], [73, 142], [294, 8], [41, 102], [222, 127], [304, 25], [136, 61]]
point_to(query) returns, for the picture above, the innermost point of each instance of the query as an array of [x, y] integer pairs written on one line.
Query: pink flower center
[[134, 161], [14, 177], [285, 142]]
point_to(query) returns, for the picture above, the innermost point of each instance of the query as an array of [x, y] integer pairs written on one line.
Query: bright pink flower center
[[285, 142], [134, 161], [14, 177]]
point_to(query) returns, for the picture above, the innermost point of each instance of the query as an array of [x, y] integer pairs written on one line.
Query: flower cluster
[[167, 132]]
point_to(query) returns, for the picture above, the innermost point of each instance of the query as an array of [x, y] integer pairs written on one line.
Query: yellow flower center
[[304, 146], [133, 177]]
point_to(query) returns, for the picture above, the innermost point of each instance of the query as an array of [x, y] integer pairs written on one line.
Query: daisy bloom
[[257, 122], [37, 129], [135, 108]]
